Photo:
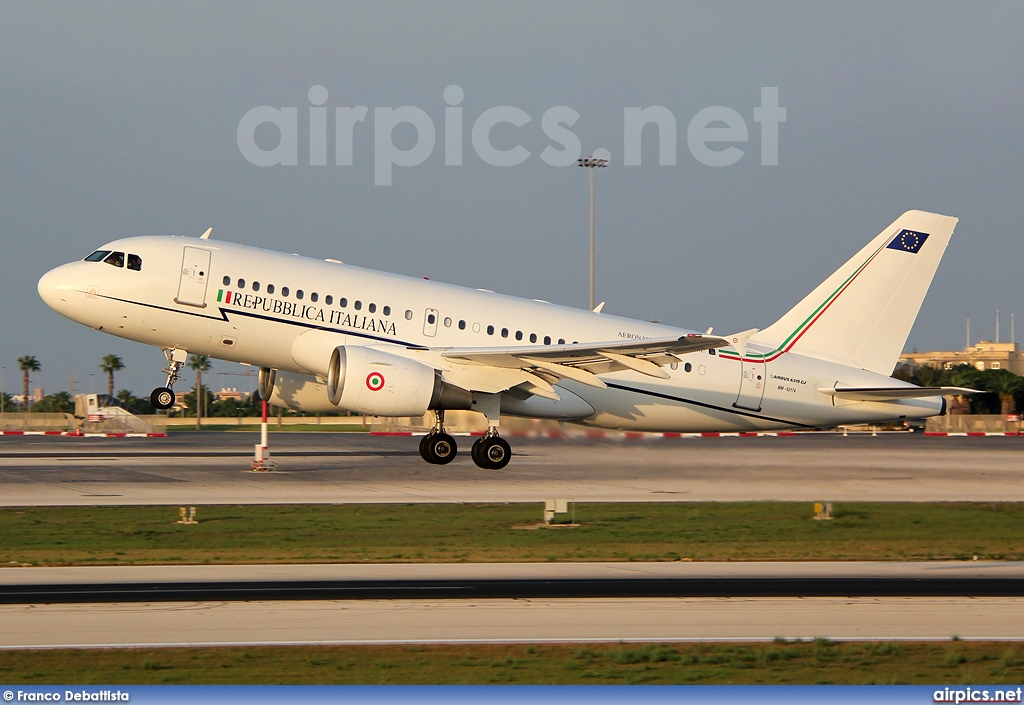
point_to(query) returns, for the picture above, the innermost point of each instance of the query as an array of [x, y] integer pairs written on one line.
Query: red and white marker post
[[261, 462]]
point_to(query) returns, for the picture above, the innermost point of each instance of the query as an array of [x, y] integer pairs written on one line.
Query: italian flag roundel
[[374, 381]]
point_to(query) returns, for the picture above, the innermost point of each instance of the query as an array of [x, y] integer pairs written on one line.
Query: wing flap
[[497, 369], [583, 353]]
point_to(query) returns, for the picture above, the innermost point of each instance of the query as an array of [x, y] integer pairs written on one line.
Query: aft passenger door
[[195, 275], [752, 381], [753, 373]]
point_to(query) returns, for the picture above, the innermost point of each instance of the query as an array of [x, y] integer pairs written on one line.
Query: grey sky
[[120, 119]]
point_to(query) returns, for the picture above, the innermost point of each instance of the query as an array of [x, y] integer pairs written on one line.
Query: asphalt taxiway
[[215, 468], [510, 580]]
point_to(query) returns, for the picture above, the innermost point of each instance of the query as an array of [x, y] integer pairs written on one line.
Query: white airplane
[[329, 336]]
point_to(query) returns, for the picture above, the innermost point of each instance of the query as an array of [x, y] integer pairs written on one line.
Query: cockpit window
[[97, 256], [135, 262], [115, 259]]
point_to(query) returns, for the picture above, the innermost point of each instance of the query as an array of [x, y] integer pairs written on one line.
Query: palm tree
[[27, 363], [110, 365], [57, 403], [201, 364], [963, 376], [1004, 383]]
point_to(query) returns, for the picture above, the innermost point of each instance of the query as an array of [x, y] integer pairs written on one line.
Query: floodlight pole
[[591, 163]]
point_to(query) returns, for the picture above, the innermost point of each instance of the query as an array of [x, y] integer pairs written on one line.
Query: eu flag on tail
[[908, 241]]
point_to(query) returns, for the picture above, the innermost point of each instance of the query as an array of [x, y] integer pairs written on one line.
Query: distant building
[[983, 355], [231, 393]]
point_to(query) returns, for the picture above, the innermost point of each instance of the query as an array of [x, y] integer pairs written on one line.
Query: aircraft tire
[[443, 448], [492, 453], [426, 449], [475, 453], [162, 398]]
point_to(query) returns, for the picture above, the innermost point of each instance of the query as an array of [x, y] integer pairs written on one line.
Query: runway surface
[[765, 608], [522, 580], [214, 468]]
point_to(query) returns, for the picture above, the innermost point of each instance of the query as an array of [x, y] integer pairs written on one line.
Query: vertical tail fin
[[863, 313]]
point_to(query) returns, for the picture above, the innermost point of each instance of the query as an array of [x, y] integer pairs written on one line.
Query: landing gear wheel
[[438, 448], [162, 398], [491, 452], [442, 448], [474, 453]]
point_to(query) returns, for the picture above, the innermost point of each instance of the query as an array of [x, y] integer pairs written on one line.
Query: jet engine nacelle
[[364, 380], [268, 375], [377, 383], [292, 390]]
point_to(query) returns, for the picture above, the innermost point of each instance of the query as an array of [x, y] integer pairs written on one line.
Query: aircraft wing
[[893, 393], [541, 366]]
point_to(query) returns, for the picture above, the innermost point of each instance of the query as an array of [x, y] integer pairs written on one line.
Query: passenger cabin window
[[115, 259], [490, 330], [408, 315], [372, 308], [255, 286], [97, 256], [328, 299], [547, 340], [447, 322], [314, 296], [504, 332], [284, 291], [462, 325], [343, 302], [357, 305], [241, 283], [135, 262], [227, 281], [533, 337], [299, 294], [270, 288], [519, 335], [387, 310]]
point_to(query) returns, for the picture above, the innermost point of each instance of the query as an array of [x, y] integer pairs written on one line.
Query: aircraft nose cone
[[52, 290]]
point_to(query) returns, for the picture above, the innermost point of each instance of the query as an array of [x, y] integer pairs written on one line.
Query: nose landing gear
[[163, 397]]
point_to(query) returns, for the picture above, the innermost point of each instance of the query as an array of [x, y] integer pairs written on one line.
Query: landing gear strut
[[163, 397], [437, 447], [491, 451]]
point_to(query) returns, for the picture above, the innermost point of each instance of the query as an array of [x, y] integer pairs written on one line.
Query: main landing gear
[[437, 447], [490, 451], [163, 397]]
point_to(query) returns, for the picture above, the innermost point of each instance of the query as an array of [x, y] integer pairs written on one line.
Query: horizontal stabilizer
[[893, 393]]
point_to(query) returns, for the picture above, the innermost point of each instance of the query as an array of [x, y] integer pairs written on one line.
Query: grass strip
[[424, 533], [817, 662]]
